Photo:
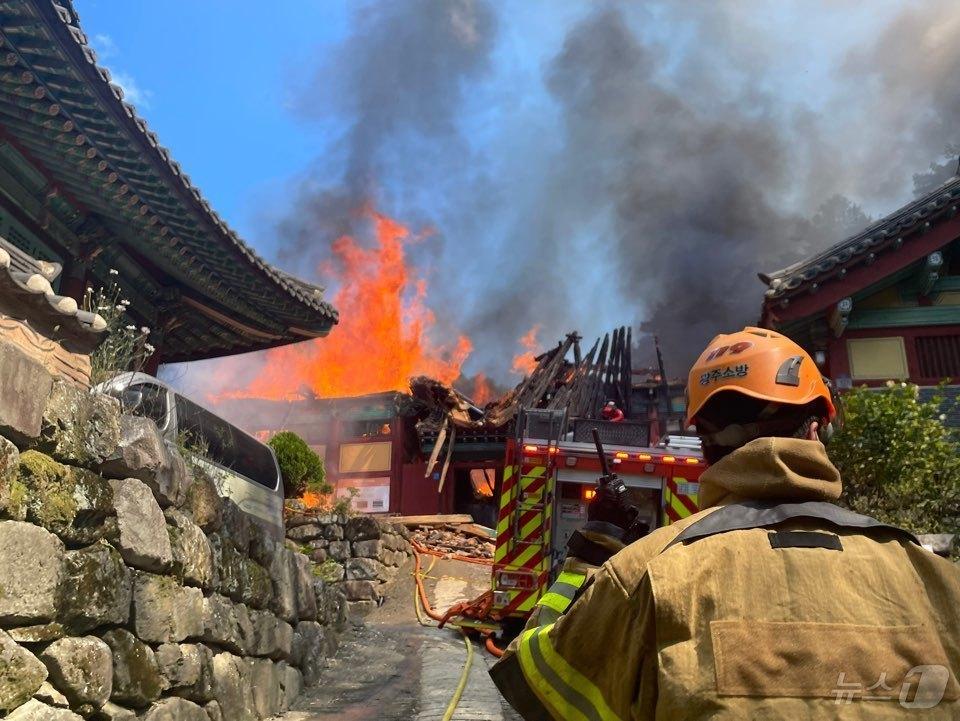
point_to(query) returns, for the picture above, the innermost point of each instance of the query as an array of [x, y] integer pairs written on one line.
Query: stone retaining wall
[[128, 588], [356, 554]]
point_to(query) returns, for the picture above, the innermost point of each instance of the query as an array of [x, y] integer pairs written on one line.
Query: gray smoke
[[399, 81], [710, 176], [660, 169]]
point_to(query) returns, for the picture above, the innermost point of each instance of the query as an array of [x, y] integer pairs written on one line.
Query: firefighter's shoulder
[[629, 566]]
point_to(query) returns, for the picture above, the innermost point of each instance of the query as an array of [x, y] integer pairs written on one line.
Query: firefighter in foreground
[[772, 603]]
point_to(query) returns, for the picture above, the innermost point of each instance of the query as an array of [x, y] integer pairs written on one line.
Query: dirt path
[[393, 669]]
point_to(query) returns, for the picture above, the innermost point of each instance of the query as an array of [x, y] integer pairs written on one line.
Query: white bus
[[242, 468]]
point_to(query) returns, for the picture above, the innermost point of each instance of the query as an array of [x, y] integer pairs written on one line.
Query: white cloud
[[132, 92], [104, 46], [106, 49]]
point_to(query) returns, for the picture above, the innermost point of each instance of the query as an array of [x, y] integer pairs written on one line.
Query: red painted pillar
[[73, 280]]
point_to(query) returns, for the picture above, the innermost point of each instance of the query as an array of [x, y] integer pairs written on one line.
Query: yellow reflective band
[[557, 684], [574, 579], [546, 615], [555, 601], [562, 592], [548, 695]]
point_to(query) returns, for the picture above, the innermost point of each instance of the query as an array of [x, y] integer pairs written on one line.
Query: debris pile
[[563, 378], [450, 535], [450, 540]]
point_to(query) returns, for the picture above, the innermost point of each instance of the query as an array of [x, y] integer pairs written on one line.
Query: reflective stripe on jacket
[[783, 606]]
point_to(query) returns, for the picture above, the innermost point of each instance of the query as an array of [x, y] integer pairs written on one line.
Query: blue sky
[[215, 80], [524, 176]]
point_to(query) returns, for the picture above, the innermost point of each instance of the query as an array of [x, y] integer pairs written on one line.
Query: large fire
[[525, 362], [482, 390], [382, 338]]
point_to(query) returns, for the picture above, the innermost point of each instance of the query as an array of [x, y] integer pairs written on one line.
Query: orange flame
[[381, 340], [524, 363], [317, 500], [482, 391]]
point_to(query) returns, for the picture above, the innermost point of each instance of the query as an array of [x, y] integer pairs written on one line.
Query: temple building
[[85, 185], [883, 304]]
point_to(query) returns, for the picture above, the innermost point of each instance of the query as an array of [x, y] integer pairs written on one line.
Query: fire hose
[[422, 606], [420, 599]]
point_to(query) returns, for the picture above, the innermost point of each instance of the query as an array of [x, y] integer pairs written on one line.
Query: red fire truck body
[[544, 496]]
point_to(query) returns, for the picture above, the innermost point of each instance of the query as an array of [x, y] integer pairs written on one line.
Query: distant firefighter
[[611, 413]]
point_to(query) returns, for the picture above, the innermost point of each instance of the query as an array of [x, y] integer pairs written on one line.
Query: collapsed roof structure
[[563, 378]]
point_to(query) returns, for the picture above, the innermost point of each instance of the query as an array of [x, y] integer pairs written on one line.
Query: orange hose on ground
[[491, 646], [489, 643], [421, 590], [453, 556]]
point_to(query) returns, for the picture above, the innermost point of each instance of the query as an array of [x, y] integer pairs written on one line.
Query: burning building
[[433, 449], [368, 443], [663, 402]]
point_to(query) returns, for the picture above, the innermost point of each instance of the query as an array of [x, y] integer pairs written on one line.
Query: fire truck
[[549, 477]]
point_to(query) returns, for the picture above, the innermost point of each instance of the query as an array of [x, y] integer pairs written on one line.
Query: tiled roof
[[885, 236], [62, 109], [25, 284]]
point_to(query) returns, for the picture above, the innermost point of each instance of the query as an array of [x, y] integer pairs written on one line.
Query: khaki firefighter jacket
[[773, 603]]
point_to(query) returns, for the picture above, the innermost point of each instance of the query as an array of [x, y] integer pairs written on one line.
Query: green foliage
[[898, 461], [344, 506], [329, 570], [302, 469]]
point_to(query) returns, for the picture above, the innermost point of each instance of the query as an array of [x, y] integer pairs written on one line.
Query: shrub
[[301, 468], [898, 461]]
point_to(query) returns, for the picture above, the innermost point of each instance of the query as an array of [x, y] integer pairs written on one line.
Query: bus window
[[153, 404], [220, 442], [146, 400]]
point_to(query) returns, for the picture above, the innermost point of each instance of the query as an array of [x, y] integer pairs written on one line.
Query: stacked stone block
[[357, 554], [128, 588]]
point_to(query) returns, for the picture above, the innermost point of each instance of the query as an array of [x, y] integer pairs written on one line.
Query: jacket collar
[[771, 468]]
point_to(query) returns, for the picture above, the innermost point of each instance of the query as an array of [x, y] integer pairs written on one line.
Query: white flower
[[114, 271], [129, 327], [903, 385], [890, 384], [943, 416], [148, 348], [145, 330], [124, 303]]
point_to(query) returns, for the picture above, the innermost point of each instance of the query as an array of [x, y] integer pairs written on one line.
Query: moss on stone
[[329, 571], [72, 502], [17, 500], [50, 487]]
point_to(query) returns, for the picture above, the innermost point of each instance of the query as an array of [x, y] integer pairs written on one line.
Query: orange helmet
[[758, 363]]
